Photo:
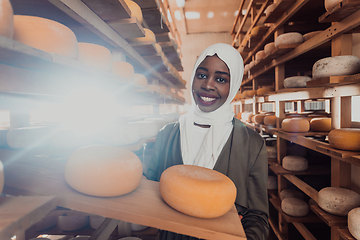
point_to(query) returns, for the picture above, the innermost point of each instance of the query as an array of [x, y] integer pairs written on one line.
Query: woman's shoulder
[[243, 130]]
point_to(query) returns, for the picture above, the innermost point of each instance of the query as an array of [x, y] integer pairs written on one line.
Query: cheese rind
[[268, 48], [6, 19], [295, 207], [264, 90], [289, 38], [197, 191], [329, 4], [260, 55], [135, 10], [149, 36], [123, 69], [295, 163], [295, 125], [336, 66], [354, 222], [345, 139], [270, 120], [95, 55], [320, 124], [296, 81]]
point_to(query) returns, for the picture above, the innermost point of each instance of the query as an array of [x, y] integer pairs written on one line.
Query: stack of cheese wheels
[[268, 48], [6, 19], [73, 221], [309, 35], [123, 69], [336, 66], [329, 4], [197, 191], [259, 118], [104, 171], [46, 35], [264, 90], [28, 137], [270, 120], [149, 36], [255, 30], [291, 193], [345, 139], [260, 55], [272, 182], [295, 207], [295, 163], [135, 10], [295, 125], [320, 124], [338, 201], [354, 222], [140, 79], [2, 178], [289, 38], [95, 55], [296, 81]]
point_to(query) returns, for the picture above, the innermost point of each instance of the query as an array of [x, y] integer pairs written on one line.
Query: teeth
[[207, 99]]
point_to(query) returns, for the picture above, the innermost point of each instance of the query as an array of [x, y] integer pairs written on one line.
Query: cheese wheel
[[264, 90], [260, 55], [95, 56], [46, 35], [270, 120], [135, 10], [259, 118], [149, 36], [158, 48], [2, 178], [272, 183], [255, 30], [338, 201], [270, 9], [295, 125], [345, 139], [246, 116], [95, 221], [268, 48], [336, 66], [309, 35], [246, 68], [291, 193], [353, 221], [140, 79], [289, 38], [320, 124], [72, 222], [123, 69], [271, 152], [294, 207], [296, 81], [250, 93], [104, 171], [294, 163], [329, 4], [28, 137], [197, 191], [6, 19]]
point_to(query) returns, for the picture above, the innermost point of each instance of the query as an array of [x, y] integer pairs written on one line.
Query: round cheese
[[338, 201], [336, 66], [264, 90], [197, 191], [309, 35], [140, 79], [294, 163], [289, 38], [268, 48], [104, 171], [259, 118], [123, 69], [270, 9], [260, 55], [95, 55], [294, 207], [329, 4], [296, 81], [272, 183], [320, 124], [291, 193], [95, 221], [149, 36], [137, 227], [46, 35], [354, 222], [270, 120], [27, 137], [135, 10], [345, 139], [6, 19], [271, 152], [246, 68], [255, 31], [246, 116], [158, 48], [72, 222], [295, 125], [2, 178]]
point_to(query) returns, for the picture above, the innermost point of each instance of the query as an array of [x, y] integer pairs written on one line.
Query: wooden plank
[[144, 205], [304, 231], [334, 80], [127, 28], [312, 170], [157, 62], [281, 7], [307, 189], [277, 232], [340, 11], [109, 10], [144, 48], [345, 234], [19, 213], [329, 219], [336, 152], [155, 20]]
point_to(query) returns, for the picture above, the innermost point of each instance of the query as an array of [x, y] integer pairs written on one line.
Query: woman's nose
[[209, 84]]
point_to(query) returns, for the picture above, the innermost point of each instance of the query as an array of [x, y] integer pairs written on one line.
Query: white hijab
[[220, 119]]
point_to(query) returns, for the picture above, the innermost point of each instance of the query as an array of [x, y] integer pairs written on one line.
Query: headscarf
[[220, 119]]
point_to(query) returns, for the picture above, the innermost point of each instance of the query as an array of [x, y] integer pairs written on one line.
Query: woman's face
[[211, 84]]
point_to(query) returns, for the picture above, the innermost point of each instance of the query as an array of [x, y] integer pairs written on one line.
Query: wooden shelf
[[313, 170], [340, 11], [345, 234], [280, 8], [329, 219]]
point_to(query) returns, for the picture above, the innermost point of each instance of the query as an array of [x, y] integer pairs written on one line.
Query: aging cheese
[[289, 38], [264, 90], [246, 116], [103, 171], [272, 183], [270, 9], [320, 124], [329, 4], [158, 48], [2, 178], [260, 55], [197, 191], [338, 201], [295, 163], [140, 79], [270, 120], [259, 118], [295, 125], [46, 35], [268, 48], [123, 69], [336, 66], [72, 222], [354, 222], [95, 55], [345, 139], [295, 207], [296, 81], [149, 36], [6, 19], [135, 10], [291, 193], [271, 152]]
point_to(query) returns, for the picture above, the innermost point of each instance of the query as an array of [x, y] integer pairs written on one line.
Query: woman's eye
[[201, 76], [221, 80]]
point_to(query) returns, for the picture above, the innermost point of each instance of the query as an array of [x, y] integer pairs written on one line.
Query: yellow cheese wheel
[[123, 69], [6, 19], [197, 191], [268, 48], [295, 125], [135, 10], [95, 55], [149, 36], [264, 90], [329, 4], [2, 179], [246, 116], [46, 35], [158, 48], [270, 120], [320, 124], [103, 171], [260, 55], [259, 118], [345, 139], [140, 79]]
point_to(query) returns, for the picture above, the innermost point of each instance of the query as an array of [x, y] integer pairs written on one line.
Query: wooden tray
[[38, 175]]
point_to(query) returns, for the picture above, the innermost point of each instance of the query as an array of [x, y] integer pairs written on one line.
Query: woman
[[209, 136]]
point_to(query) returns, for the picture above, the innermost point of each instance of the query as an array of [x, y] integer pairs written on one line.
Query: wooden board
[[345, 234], [41, 176], [155, 21], [109, 9], [340, 11], [334, 80], [279, 10], [329, 219], [336, 152], [19, 213], [144, 48], [127, 28], [312, 170]]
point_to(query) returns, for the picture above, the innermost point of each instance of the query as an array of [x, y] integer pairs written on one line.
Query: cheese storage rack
[[335, 38]]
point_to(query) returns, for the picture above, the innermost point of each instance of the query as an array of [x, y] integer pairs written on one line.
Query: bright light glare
[[243, 12], [169, 15], [210, 14], [236, 13], [180, 3], [177, 14], [192, 15]]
